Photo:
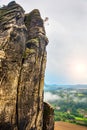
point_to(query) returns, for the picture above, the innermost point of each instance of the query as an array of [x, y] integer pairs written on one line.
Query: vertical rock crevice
[[17, 113]]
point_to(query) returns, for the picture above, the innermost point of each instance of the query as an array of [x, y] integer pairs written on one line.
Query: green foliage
[[68, 109], [63, 116]]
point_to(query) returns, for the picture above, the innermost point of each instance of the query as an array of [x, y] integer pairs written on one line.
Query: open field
[[68, 126]]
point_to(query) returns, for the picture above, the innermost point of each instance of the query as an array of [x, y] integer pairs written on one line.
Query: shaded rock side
[[22, 66], [48, 117]]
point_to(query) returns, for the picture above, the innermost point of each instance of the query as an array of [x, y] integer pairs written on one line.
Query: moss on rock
[[34, 41]]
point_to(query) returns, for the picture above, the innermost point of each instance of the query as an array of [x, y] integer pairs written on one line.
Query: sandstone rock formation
[[22, 66], [48, 117]]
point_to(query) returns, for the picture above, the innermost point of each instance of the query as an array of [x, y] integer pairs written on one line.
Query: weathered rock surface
[[22, 66], [48, 117]]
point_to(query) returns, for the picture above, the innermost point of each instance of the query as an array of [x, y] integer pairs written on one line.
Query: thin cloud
[[48, 96]]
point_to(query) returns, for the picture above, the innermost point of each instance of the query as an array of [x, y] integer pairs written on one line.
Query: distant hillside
[[48, 87], [68, 126]]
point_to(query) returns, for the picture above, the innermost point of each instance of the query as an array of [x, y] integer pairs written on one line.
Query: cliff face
[[22, 65]]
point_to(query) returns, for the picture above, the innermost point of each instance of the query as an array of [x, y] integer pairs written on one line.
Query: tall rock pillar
[[22, 66]]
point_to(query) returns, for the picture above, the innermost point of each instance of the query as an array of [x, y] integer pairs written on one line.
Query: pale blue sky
[[67, 34]]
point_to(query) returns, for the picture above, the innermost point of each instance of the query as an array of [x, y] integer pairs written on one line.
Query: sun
[[80, 68], [78, 71]]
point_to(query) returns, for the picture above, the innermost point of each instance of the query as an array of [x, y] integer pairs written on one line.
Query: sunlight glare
[[80, 68]]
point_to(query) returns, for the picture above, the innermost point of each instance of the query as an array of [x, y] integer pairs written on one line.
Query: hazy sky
[[67, 34]]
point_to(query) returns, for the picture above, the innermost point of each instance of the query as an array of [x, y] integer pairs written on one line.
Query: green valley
[[70, 104]]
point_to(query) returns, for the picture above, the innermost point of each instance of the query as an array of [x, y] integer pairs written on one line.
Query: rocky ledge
[[22, 67]]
